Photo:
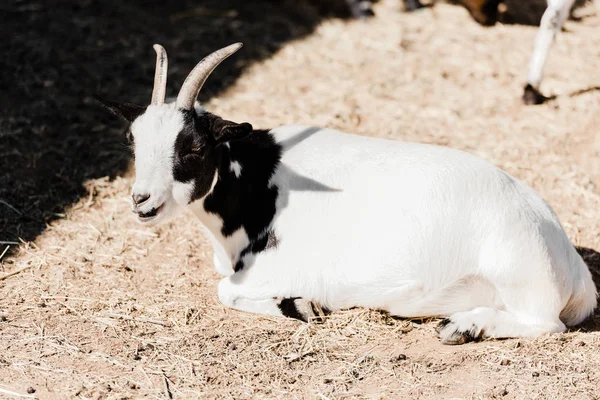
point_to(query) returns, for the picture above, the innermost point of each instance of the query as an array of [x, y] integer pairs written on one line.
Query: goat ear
[[126, 111], [228, 131]]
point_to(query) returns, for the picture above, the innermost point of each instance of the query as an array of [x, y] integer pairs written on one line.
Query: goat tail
[[583, 299]]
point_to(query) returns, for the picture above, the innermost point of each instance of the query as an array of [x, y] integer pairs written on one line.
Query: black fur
[[247, 201], [263, 243], [207, 144], [127, 111], [442, 324], [196, 156], [532, 96], [288, 308], [460, 337], [490, 10], [239, 265]]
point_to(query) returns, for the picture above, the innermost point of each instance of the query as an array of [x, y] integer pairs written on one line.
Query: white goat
[[485, 12], [306, 219], [552, 21]]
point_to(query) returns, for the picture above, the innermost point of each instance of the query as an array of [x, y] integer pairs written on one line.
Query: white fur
[[416, 230], [552, 21], [413, 229], [154, 134], [236, 168]]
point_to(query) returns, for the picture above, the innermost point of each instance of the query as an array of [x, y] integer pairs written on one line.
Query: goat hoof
[[302, 309], [451, 333], [532, 96]]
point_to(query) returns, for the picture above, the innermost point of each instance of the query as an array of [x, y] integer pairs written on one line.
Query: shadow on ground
[[592, 259], [53, 137]]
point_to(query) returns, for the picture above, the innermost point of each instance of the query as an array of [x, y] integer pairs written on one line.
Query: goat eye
[[129, 136], [192, 152]]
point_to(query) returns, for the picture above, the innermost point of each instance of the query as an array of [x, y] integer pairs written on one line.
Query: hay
[[104, 308]]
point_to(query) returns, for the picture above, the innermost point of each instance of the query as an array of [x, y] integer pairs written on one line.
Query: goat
[[306, 221], [485, 12], [552, 21]]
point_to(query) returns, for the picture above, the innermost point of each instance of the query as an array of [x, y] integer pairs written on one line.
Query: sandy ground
[[108, 309]]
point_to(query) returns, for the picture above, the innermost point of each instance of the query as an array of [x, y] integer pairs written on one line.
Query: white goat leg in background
[[552, 21]]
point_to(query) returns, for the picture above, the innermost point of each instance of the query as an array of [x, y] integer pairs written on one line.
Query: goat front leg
[[552, 21], [244, 297]]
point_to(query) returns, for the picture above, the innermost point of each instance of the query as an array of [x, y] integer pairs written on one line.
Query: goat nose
[[140, 198]]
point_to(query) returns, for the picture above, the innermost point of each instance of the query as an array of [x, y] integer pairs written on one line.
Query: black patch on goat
[[247, 201], [127, 111], [461, 336], [207, 144], [288, 308], [239, 265], [263, 243], [195, 155], [533, 96]]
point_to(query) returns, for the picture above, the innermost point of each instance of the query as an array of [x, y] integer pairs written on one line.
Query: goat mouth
[[150, 215]]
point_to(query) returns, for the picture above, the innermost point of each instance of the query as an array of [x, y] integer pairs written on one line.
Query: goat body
[[306, 219], [412, 229]]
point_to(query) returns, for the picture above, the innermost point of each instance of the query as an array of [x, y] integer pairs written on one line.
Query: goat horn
[[160, 76], [195, 80]]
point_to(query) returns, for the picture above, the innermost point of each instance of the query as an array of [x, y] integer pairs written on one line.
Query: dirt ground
[[104, 308]]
